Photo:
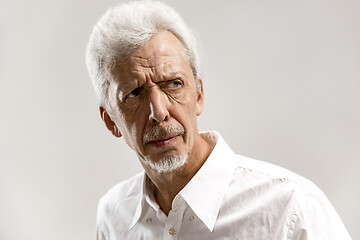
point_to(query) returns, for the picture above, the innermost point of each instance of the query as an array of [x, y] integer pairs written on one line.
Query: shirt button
[[191, 218], [172, 231], [149, 220]]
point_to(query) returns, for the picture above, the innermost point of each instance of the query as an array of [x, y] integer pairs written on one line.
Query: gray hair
[[127, 27]]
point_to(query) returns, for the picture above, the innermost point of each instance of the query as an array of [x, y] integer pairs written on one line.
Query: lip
[[163, 141]]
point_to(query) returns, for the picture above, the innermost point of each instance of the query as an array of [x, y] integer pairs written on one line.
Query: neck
[[166, 186]]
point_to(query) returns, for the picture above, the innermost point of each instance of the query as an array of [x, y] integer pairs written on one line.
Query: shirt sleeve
[[316, 219]]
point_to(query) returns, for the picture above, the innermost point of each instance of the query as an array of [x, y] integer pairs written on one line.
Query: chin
[[167, 164]]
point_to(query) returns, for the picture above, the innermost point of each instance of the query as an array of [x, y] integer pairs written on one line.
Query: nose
[[158, 103]]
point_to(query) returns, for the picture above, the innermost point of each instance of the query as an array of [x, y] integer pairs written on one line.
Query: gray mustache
[[161, 131]]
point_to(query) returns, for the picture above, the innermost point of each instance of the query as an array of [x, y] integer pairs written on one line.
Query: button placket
[[174, 220], [172, 225]]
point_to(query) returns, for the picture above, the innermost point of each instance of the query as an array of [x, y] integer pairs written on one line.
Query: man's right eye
[[134, 93]]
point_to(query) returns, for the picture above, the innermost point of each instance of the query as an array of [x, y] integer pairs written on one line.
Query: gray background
[[282, 84]]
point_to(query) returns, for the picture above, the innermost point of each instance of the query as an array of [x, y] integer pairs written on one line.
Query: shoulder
[[311, 211], [117, 207], [125, 189], [121, 197], [276, 183], [263, 171]]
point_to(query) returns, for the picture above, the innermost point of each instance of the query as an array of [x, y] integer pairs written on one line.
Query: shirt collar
[[139, 207], [206, 190]]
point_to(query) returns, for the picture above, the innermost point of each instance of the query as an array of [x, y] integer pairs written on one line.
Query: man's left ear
[[200, 99]]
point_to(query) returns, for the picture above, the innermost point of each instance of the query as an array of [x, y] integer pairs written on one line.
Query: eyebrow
[[172, 75]]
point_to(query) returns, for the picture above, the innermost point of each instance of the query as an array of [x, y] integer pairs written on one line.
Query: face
[[153, 101]]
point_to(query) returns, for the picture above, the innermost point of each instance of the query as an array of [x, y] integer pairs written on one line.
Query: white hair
[[127, 27], [168, 164]]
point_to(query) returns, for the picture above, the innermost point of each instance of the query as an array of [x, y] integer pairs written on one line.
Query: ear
[[109, 123], [200, 99]]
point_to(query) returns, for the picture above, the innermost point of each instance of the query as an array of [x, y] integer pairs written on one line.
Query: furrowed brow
[[172, 75]]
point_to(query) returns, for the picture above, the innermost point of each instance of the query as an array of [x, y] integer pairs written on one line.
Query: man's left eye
[[174, 84]]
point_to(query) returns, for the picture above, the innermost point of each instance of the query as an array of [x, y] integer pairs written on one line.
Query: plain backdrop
[[281, 81]]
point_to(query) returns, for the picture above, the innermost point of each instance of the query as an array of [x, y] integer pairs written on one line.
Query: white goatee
[[168, 164]]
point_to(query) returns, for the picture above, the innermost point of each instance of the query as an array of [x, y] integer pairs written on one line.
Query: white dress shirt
[[230, 197]]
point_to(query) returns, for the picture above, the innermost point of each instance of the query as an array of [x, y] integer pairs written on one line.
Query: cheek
[[129, 134], [134, 130], [186, 115]]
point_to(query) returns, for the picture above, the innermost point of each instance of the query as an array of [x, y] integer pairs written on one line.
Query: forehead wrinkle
[[143, 76], [169, 70], [139, 61], [156, 62]]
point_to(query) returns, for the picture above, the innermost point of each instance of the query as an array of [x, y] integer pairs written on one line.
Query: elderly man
[[143, 63]]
